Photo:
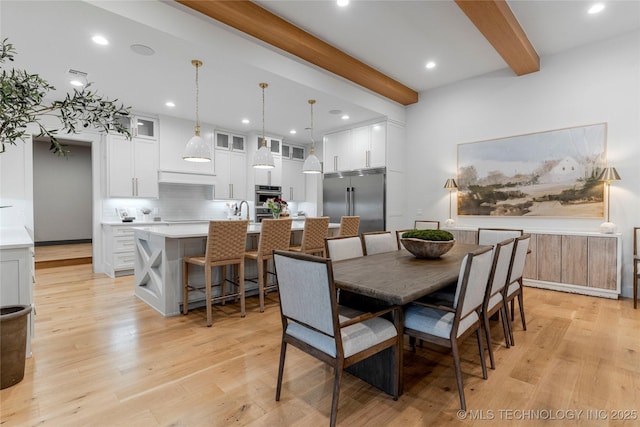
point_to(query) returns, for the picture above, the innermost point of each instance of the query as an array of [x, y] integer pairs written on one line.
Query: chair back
[[349, 226], [423, 224], [636, 240], [501, 268], [491, 236], [226, 240], [338, 248], [519, 257], [275, 234], [472, 283], [315, 230], [377, 242], [399, 234], [307, 290]]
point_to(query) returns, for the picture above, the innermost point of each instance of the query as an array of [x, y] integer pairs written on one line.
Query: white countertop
[[14, 238], [200, 230]]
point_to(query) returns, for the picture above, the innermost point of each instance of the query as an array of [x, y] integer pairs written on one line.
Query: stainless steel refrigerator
[[360, 192]]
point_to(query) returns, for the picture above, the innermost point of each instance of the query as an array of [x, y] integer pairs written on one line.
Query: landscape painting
[[550, 174]]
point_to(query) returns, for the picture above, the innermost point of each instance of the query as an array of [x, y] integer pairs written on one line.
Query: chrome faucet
[[240, 209]]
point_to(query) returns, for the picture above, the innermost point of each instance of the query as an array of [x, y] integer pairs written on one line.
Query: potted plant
[[427, 243], [23, 103]]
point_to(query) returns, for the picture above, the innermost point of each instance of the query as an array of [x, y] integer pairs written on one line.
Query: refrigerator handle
[[352, 202], [347, 200]]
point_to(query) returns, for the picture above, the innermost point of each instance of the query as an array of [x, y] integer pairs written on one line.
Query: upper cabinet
[[132, 167], [174, 134], [358, 148], [273, 144], [231, 166], [293, 152]]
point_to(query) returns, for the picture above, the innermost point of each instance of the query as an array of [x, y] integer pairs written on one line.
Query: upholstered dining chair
[[448, 326], [313, 322], [313, 234], [274, 234], [491, 236], [338, 248], [376, 242], [514, 288], [494, 297], [424, 224], [349, 226], [399, 234], [636, 262], [226, 243]]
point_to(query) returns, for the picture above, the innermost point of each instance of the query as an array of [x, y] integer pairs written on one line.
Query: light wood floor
[[63, 255], [101, 357]]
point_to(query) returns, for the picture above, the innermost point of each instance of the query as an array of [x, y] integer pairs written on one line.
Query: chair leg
[[505, 328], [283, 352], [241, 285], [521, 306], [412, 343], [207, 285], [487, 331], [336, 395], [223, 283], [456, 364], [261, 283], [483, 363], [185, 287], [509, 325]]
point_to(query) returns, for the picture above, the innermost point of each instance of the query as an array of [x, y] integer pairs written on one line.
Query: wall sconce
[[450, 185], [607, 175]]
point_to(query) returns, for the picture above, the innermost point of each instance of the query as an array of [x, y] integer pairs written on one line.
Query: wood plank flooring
[[101, 357], [63, 255]]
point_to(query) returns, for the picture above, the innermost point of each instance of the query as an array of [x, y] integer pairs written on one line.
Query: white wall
[[62, 193], [591, 84]]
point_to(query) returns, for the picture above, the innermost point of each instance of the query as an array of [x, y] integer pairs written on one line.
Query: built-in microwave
[[264, 192]]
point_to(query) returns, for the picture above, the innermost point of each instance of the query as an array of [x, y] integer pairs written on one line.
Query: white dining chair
[[514, 288], [343, 247], [491, 236], [377, 242]]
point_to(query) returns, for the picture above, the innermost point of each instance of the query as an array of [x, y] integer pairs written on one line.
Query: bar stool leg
[[185, 287], [261, 283], [223, 282], [207, 278], [241, 285]]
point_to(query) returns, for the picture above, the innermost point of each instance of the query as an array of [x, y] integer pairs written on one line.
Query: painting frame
[[549, 174]]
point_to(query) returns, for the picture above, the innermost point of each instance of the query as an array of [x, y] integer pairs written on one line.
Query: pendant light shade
[[197, 150], [263, 158], [312, 163]]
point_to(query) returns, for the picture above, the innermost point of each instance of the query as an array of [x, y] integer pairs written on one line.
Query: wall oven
[[264, 192]]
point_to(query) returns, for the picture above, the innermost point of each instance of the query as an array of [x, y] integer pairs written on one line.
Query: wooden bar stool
[[315, 230], [226, 243], [275, 234]]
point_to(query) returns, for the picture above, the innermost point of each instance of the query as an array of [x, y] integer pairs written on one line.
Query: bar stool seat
[[226, 243]]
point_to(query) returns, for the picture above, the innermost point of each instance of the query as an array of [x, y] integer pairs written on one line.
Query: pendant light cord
[[264, 140], [313, 143], [197, 63]]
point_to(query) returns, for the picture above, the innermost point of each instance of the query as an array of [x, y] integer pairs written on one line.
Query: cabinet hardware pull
[[231, 191], [368, 158], [335, 163]]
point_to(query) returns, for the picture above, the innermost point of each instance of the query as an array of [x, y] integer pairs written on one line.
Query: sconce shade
[[609, 174], [451, 184]]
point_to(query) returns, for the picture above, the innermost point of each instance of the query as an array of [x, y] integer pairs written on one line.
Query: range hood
[[171, 177]]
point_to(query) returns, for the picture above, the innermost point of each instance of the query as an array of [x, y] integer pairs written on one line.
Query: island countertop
[[182, 231]]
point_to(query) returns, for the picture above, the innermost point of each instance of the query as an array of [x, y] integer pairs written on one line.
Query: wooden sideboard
[[578, 262]]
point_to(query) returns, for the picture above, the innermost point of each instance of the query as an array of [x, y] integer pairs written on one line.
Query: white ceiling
[[395, 37]]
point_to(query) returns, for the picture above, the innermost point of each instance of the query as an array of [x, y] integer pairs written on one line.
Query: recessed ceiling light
[[169, 104], [345, 117], [245, 121], [596, 8], [293, 132], [100, 40], [141, 49], [342, 3], [430, 65], [335, 111], [76, 82]]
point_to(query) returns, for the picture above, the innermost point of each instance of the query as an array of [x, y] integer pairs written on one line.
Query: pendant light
[[312, 163], [263, 158], [197, 150]]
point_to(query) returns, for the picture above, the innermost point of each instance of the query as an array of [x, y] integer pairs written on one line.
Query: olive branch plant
[[23, 102]]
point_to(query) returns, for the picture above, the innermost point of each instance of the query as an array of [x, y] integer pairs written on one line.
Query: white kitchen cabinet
[[358, 148], [231, 175], [118, 252], [132, 167], [273, 144], [141, 126], [337, 151], [174, 135], [293, 152], [293, 180]]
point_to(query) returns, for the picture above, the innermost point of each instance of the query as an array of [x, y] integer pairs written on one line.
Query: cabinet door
[[603, 259], [377, 145], [270, 176], [146, 167], [549, 254], [336, 149], [144, 127], [238, 175], [222, 188], [574, 259], [120, 181], [293, 181], [360, 138]]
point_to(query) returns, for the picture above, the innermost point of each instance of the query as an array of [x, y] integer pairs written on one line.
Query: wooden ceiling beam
[[252, 19], [497, 23]]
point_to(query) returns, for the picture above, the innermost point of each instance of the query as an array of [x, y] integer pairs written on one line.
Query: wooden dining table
[[373, 282]]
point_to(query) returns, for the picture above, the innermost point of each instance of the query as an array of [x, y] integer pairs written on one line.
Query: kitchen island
[[158, 262]]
